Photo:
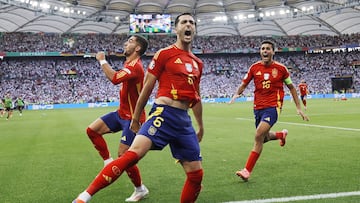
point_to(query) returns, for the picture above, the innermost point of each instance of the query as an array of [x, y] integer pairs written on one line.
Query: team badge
[[116, 170], [152, 65], [274, 73], [188, 67], [246, 76], [266, 76], [152, 130], [127, 70]]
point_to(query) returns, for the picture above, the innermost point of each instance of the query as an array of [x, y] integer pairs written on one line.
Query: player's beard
[[128, 52]]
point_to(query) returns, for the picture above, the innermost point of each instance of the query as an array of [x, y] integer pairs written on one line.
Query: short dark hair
[[269, 42], [183, 14], [143, 42]]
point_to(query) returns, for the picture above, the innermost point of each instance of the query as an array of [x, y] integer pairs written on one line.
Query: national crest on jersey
[[188, 67], [266, 76]]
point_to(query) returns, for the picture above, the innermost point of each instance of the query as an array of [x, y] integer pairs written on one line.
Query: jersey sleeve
[[124, 74], [287, 78], [157, 64], [248, 76]]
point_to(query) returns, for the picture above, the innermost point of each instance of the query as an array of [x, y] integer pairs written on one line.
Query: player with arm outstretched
[[269, 77], [131, 76]]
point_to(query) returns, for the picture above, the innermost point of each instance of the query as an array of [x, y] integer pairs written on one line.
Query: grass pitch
[[45, 156]]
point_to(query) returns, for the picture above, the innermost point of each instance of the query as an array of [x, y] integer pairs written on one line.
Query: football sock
[[107, 161], [84, 196], [112, 171], [253, 157], [192, 186], [99, 143], [304, 102], [279, 134], [134, 175]]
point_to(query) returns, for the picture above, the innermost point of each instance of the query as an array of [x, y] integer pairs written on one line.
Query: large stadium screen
[[150, 23]]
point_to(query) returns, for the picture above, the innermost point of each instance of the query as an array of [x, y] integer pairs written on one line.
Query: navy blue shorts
[[116, 124], [173, 126], [269, 115]]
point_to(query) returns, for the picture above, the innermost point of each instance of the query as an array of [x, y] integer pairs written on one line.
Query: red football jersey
[[269, 84], [178, 73], [303, 89], [132, 78]]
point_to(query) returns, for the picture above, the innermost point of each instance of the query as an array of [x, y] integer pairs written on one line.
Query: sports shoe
[[243, 174], [78, 201], [138, 194], [283, 139]]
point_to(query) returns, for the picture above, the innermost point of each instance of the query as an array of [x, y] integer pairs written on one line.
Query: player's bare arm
[[149, 84], [238, 93], [197, 110]]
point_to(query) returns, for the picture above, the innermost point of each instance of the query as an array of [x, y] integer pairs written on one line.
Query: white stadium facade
[[214, 17]]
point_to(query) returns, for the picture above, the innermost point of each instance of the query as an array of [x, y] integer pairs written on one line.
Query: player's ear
[[138, 48]]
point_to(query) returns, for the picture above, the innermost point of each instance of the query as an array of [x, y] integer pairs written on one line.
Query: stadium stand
[[78, 79]]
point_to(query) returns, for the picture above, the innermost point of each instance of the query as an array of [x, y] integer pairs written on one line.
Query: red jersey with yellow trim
[[178, 73], [132, 77], [303, 89], [269, 84]]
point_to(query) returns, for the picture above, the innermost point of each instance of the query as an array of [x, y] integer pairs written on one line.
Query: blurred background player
[[8, 104], [131, 76], [269, 77], [2, 108], [178, 72], [303, 89], [20, 105]]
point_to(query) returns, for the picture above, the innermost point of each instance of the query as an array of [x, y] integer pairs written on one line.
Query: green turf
[[45, 156]]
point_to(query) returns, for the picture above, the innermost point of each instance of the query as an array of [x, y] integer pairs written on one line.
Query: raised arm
[[105, 66]]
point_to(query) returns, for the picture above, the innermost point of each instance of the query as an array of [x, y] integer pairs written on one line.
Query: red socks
[[99, 143], [192, 186], [112, 171], [134, 175], [279, 134], [253, 157]]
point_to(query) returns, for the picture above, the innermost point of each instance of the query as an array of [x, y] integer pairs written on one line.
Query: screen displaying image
[[150, 23]]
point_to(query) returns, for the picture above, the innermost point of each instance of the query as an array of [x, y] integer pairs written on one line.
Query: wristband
[[102, 62]]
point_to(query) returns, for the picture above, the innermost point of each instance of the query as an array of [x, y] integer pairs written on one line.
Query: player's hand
[[100, 56], [233, 98], [135, 125], [200, 134], [303, 116]]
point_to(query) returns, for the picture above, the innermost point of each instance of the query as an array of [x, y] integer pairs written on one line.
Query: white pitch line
[[310, 125], [298, 198]]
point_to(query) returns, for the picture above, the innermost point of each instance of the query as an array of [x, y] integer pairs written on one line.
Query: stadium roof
[[214, 17]]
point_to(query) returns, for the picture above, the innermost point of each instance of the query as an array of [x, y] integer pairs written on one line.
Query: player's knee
[[195, 176], [91, 133]]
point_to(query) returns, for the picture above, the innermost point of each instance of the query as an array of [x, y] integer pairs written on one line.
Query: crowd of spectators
[[92, 43], [78, 79]]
